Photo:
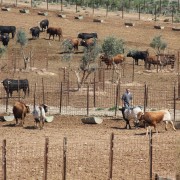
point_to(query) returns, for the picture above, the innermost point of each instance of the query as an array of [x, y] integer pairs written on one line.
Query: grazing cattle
[[39, 114], [11, 85], [152, 60], [118, 59], [35, 31], [136, 55], [44, 24], [74, 42], [88, 42], [5, 39], [20, 110], [167, 59], [8, 30], [154, 117], [52, 31], [87, 35], [131, 114]]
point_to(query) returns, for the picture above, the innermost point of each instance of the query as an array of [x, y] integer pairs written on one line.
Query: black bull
[[87, 35], [8, 30], [11, 85]]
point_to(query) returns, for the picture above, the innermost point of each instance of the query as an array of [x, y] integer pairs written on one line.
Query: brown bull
[[52, 31], [20, 110], [118, 59]]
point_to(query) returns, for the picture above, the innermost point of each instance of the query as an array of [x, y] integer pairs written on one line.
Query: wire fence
[[112, 157]]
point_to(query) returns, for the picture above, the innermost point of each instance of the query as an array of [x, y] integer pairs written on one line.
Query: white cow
[[39, 114], [131, 114]]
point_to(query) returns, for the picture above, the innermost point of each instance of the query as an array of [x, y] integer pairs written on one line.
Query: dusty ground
[[88, 145]]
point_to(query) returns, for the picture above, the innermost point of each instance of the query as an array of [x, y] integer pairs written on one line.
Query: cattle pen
[[107, 158]]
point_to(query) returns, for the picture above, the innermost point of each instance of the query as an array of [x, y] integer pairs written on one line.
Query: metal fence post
[[46, 158], [88, 100], [4, 160], [64, 158], [111, 156], [60, 99], [150, 155]]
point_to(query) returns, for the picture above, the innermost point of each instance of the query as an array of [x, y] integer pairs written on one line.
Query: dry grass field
[[87, 145]]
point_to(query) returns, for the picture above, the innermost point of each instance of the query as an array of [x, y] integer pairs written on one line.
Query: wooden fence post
[[174, 101], [19, 90], [60, 99], [94, 90], [145, 97], [123, 11], [150, 154], [46, 158], [68, 87], [35, 95], [178, 68], [103, 79], [88, 100], [47, 4], [7, 98], [4, 160], [111, 156], [139, 7], [64, 158], [133, 71], [117, 99]]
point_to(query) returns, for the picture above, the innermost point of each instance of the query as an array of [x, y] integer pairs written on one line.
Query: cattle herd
[[86, 40]]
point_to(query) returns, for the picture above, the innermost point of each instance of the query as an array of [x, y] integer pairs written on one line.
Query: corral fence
[[113, 157], [100, 98]]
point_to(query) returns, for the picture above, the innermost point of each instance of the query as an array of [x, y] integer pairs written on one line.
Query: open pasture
[[88, 146]]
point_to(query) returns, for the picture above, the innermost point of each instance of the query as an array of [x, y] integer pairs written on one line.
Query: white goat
[[39, 114]]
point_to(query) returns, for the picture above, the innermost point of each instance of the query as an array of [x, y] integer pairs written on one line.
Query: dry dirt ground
[[88, 145]]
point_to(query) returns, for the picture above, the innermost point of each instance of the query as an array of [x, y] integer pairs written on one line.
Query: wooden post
[[103, 79], [139, 11], [68, 88], [31, 3], [46, 158], [123, 11], [35, 95], [155, 12], [43, 91], [61, 5], [145, 97], [107, 10], [19, 90], [172, 14], [60, 99], [4, 159], [117, 99], [93, 7], [133, 71], [64, 158], [7, 98], [150, 155], [88, 100], [178, 68], [94, 90], [76, 6], [174, 101], [64, 74], [111, 156], [47, 4]]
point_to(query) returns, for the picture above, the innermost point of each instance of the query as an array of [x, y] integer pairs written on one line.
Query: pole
[[139, 11], [133, 71], [61, 6], [88, 100], [117, 97], [43, 91], [60, 99], [35, 95], [4, 159], [64, 158], [174, 102], [94, 90], [150, 155], [111, 156], [46, 158], [47, 4]]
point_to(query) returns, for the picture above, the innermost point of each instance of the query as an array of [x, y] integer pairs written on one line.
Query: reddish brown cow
[[52, 31], [20, 110], [118, 59], [75, 43], [88, 42], [154, 117]]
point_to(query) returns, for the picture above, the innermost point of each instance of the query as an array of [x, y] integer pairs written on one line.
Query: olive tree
[[111, 47], [158, 44], [23, 41], [87, 63]]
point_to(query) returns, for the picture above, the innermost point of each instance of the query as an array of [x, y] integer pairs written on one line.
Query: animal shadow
[[30, 127], [9, 125]]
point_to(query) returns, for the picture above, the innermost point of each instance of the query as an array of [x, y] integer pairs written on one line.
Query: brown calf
[[20, 110]]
